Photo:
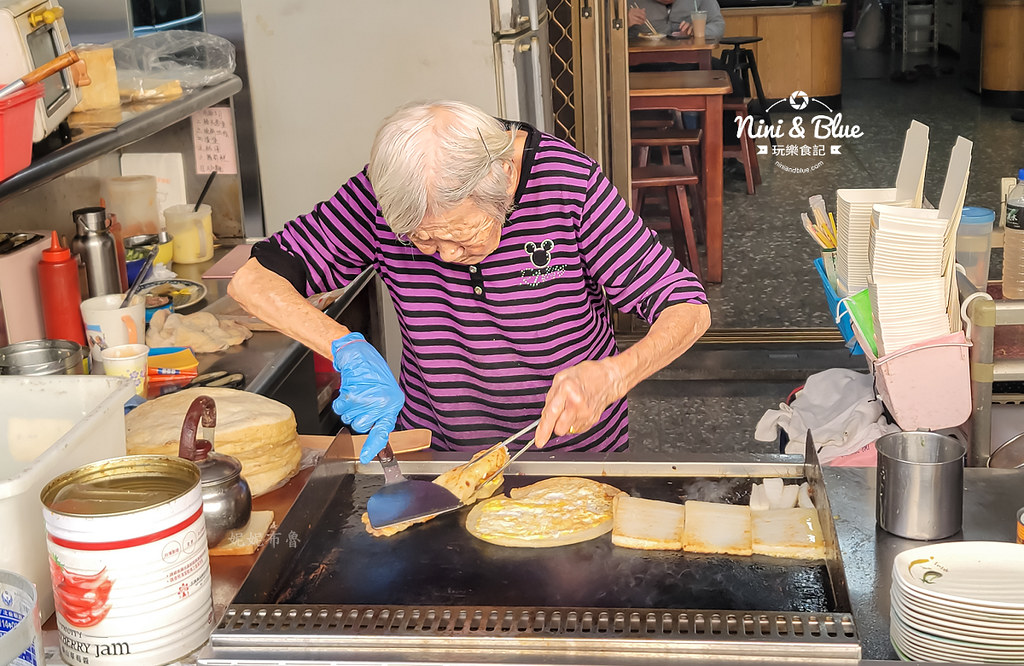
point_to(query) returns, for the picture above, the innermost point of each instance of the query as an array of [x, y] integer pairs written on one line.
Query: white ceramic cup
[[128, 361], [107, 324]]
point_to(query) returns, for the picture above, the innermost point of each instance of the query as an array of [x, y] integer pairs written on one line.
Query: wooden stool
[[673, 178], [742, 66], [689, 141], [746, 150]]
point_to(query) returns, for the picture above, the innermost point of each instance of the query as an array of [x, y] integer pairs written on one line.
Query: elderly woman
[[502, 248]]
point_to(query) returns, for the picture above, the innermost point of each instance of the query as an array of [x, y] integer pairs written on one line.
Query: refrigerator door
[[509, 17], [524, 78]]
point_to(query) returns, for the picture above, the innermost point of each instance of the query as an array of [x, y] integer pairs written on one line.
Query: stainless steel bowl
[[1009, 455], [42, 357]]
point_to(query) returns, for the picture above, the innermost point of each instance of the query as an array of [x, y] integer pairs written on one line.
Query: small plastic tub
[[17, 113]]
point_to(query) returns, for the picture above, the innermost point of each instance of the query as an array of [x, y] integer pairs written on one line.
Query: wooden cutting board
[[348, 446]]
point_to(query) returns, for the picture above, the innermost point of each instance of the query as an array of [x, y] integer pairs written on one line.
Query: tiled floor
[[769, 280]]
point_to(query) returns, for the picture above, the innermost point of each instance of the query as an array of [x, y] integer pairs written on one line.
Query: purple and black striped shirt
[[481, 344]]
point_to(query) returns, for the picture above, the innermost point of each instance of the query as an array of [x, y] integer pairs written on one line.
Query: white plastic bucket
[[128, 561], [21, 633]]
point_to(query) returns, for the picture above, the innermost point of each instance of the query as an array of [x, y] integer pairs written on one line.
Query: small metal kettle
[[227, 500]]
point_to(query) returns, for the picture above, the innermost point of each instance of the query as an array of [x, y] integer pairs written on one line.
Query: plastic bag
[[162, 65]]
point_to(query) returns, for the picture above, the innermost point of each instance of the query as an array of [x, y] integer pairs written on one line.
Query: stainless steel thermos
[[95, 245]]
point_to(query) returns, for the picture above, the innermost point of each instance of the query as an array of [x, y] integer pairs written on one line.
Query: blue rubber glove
[[369, 399]]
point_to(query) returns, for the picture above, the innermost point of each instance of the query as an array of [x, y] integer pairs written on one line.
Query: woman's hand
[[577, 398], [369, 398], [636, 16], [685, 29]]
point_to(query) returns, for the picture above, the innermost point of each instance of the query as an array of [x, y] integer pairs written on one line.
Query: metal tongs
[[513, 457]]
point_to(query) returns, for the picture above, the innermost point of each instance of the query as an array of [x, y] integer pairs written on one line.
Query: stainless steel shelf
[[137, 124]]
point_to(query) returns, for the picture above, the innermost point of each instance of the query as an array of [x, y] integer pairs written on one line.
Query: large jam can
[[128, 561]]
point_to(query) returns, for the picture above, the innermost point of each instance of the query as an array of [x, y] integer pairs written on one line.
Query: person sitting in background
[[669, 17]]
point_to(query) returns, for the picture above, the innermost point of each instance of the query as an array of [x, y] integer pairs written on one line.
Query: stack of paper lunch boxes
[[896, 278]]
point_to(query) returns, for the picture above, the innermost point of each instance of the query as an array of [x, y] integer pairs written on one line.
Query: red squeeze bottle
[[61, 294]]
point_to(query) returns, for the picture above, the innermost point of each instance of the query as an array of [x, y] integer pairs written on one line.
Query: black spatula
[[402, 499]]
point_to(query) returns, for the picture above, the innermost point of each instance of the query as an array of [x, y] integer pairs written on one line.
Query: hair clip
[[490, 158]]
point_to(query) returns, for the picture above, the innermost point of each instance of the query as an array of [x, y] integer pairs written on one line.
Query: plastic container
[[926, 386], [838, 310], [133, 200], [50, 425], [21, 632], [1013, 241], [192, 232], [60, 293], [919, 28], [974, 243], [17, 113]]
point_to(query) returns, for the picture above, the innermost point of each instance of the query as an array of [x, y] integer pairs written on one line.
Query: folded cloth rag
[[840, 409], [202, 331]]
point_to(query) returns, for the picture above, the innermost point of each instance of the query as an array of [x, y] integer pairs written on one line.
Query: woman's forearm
[[675, 331], [272, 299]]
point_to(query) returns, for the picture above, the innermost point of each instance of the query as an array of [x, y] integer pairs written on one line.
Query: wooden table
[[679, 51], [697, 90]]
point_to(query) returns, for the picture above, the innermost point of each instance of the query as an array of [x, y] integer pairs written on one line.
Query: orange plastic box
[[17, 112]]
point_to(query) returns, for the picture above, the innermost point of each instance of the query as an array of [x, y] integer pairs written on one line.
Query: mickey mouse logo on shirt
[[540, 256]]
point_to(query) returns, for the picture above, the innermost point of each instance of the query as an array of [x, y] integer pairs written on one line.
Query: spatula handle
[[386, 458]]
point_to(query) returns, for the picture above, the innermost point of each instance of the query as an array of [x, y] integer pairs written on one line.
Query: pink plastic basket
[[17, 113], [926, 386]]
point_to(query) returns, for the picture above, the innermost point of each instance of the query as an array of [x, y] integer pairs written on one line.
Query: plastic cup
[[21, 635], [699, 23], [192, 232], [974, 243], [128, 361], [920, 485], [107, 324], [133, 199]]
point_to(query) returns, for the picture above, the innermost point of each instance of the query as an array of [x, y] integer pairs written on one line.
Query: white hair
[[428, 158]]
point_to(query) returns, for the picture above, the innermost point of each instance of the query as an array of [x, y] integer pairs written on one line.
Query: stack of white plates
[[959, 602], [853, 234]]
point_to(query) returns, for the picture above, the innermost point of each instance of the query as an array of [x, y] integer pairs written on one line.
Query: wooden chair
[[674, 179], [746, 150]]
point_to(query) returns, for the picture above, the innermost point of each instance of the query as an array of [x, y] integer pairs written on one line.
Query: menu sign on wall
[[213, 136]]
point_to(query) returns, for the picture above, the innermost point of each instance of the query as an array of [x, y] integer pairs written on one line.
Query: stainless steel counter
[[991, 500]]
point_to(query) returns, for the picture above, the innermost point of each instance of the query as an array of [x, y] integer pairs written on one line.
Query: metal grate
[[562, 69], [625, 631]]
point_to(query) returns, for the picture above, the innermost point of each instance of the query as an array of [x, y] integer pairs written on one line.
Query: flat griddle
[[326, 588]]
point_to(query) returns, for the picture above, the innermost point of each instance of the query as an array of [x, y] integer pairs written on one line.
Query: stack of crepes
[[256, 430]]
